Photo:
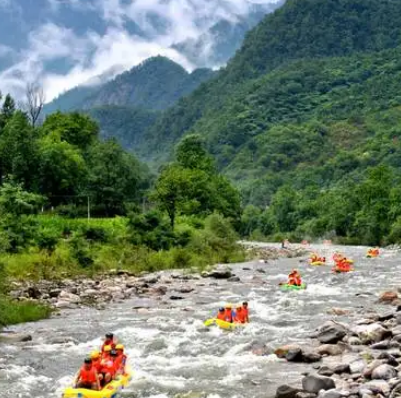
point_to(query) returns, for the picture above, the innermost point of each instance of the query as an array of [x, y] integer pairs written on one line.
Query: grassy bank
[[79, 247], [13, 312]]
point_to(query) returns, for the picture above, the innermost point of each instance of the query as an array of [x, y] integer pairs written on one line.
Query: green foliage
[[192, 185]]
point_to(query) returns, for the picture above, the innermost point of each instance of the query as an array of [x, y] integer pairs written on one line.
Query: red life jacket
[[87, 376], [108, 366], [228, 316]]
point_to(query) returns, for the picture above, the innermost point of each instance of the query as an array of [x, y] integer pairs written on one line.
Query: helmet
[[228, 305], [109, 335], [95, 354], [221, 309], [119, 347], [88, 361], [107, 348], [113, 353]]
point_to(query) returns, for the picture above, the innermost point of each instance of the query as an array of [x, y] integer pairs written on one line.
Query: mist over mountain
[[64, 43]]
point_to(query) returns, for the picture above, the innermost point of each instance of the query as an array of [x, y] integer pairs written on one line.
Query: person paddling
[[87, 377]]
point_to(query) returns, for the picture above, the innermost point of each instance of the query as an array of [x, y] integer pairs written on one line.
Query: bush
[[13, 312]]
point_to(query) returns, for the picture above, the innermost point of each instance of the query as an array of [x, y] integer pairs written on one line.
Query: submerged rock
[[315, 383], [286, 391], [11, 338]]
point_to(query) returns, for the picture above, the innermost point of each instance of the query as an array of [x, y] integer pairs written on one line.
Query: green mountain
[[155, 84], [302, 99]]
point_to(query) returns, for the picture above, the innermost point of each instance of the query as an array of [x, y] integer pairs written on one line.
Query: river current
[[170, 350]]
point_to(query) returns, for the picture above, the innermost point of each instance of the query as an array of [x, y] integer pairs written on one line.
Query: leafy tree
[[75, 128], [115, 178], [19, 150]]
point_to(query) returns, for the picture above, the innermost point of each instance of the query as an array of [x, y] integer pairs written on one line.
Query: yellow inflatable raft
[[108, 391], [223, 324], [317, 263]]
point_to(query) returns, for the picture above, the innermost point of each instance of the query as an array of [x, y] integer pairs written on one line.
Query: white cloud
[[164, 22]]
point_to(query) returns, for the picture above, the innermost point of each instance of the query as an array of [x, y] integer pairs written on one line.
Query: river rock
[[385, 316], [311, 357], [62, 340], [367, 372], [11, 338], [65, 305], [381, 345], [185, 289], [377, 387], [388, 358], [372, 333], [353, 340], [89, 293], [282, 351], [234, 279], [384, 372], [175, 297], [388, 297], [159, 290], [396, 331], [294, 355], [286, 391], [342, 368], [330, 349], [325, 371], [357, 366], [315, 383], [331, 333], [303, 394], [222, 272], [331, 394], [69, 297]]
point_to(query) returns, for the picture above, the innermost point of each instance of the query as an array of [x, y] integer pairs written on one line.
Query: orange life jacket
[[239, 317], [119, 363], [96, 363], [87, 376], [221, 316], [228, 315], [245, 312]]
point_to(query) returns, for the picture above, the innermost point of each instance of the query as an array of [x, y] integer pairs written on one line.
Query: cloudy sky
[[63, 43]]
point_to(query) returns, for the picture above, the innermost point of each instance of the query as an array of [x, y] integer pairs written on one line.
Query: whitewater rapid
[[170, 350]]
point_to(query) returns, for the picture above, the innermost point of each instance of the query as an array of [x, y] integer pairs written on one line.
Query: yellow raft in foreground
[[223, 324], [108, 391]]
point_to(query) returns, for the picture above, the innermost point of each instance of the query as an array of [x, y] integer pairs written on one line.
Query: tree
[[284, 209], [75, 128], [169, 192], [19, 150], [35, 99], [192, 154], [115, 178], [62, 171], [16, 228], [7, 111]]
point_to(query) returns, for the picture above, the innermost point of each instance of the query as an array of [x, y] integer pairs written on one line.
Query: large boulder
[[367, 372], [372, 333], [388, 297], [325, 371], [315, 383], [294, 355], [331, 333], [287, 392], [310, 357], [70, 297], [384, 372], [11, 338]]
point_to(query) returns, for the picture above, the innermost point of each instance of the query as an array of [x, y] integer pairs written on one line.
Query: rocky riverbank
[[121, 285], [357, 360]]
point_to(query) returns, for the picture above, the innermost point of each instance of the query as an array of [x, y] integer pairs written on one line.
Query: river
[[170, 350]]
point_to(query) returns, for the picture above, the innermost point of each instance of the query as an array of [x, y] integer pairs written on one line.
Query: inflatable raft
[[223, 324], [108, 391], [285, 286], [317, 263]]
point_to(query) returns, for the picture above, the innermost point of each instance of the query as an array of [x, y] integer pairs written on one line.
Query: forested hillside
[[155, 84], [308, 104]]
